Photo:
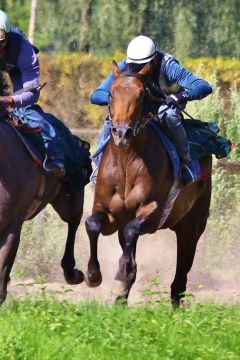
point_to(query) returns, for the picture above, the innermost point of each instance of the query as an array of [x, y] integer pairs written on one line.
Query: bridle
[[148, 98]]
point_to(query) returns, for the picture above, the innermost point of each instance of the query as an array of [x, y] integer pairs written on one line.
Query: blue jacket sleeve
[[195, 87], [100, 95]]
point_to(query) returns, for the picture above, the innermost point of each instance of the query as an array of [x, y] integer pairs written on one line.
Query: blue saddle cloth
[[172, 153]]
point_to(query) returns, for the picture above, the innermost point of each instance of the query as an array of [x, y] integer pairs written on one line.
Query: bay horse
[[24, 191], [133, 183]]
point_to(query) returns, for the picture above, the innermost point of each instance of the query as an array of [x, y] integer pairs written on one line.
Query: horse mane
[[133, 68], [144, 73]]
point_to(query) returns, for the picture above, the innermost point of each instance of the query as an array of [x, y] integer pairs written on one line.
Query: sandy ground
[[156, 259]]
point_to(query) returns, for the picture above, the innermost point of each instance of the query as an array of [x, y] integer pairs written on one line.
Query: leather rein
[[148, 96]]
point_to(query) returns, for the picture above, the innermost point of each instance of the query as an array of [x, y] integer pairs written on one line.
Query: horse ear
[[115, 69], [148, 67]]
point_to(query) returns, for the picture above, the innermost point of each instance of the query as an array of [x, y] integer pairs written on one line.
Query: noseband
[[147, 98]]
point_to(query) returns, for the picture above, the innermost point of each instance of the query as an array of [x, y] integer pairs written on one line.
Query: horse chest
[[127, 200]]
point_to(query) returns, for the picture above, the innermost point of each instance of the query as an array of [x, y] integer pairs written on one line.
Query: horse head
[[128, 99]]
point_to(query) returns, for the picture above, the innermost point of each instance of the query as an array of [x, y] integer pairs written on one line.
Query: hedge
[[72, 78]]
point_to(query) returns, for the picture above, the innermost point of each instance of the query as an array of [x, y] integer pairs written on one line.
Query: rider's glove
[[6, 102], [174, 100]]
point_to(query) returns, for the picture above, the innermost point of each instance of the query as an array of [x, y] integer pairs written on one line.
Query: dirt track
[[156, 258]]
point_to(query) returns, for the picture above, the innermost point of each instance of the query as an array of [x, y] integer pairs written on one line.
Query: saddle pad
[[172, 153]]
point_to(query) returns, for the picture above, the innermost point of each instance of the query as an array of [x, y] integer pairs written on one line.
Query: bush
[[227, 70]]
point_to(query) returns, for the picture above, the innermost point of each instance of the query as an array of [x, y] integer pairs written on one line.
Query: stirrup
[[93, 177]]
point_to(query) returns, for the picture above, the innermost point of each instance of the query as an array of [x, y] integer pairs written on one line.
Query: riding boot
[[171, 118], [187, 173]]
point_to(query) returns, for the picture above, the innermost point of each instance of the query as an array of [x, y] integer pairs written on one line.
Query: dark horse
[[133, 183], [24, 191]]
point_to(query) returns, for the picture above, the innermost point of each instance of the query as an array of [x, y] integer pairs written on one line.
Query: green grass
[[45, 328]]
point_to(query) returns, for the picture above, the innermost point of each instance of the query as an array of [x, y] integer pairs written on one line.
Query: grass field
[[45, 328]]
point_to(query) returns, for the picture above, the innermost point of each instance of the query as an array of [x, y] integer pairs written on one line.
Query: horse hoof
[[182, 300], [121, 300], [119, 293], [74, 277], [93, 279], [2, 297]]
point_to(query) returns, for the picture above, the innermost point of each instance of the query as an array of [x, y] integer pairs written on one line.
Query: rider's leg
[[171, 118], [34, 116], [103, 138], [104, 134]]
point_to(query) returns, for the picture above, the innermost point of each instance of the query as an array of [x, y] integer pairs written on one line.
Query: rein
[[140, 123]]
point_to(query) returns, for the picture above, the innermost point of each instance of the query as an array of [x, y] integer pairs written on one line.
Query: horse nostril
[[129, 133], [114, 130]]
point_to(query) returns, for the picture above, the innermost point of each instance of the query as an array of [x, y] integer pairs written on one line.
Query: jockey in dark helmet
[[177, 86], [18, 57]]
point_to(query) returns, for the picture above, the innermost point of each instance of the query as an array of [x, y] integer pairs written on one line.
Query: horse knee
[[132, 230], [93, 224]]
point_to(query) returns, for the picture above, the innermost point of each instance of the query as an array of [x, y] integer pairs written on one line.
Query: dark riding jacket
[[20, 61]]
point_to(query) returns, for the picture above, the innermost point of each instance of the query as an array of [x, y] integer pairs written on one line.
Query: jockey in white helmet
[[176, 85]]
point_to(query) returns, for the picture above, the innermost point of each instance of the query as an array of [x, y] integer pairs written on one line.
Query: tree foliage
[[18, 11], [185, 27]]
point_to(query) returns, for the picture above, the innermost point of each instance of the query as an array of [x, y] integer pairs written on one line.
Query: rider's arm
[[28, 65], [100, 95], [196, 88]]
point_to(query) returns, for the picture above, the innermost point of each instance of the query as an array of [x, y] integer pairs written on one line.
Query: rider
[[18, 57], [176, 84]]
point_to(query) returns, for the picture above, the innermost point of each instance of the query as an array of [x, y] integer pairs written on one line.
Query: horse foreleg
[[94, 225], [72, 276], [127, 270], [9, 242], [188, 232], [122, 241]]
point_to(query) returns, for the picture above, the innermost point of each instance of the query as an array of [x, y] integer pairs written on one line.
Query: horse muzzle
[[122, 135]]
